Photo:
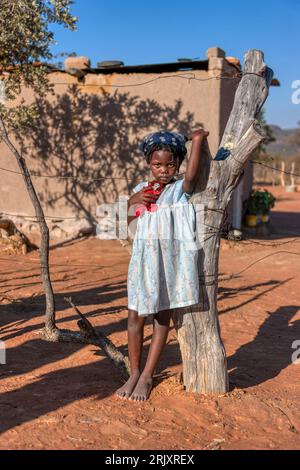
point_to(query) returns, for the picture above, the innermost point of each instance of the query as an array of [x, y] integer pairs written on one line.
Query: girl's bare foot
[[126, 390], [142, 389]]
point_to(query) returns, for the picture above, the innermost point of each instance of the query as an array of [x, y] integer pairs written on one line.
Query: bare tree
[[203, 353], [25, 37]]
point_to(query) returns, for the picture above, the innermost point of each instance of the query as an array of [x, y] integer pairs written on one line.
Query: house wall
[[91, 129]]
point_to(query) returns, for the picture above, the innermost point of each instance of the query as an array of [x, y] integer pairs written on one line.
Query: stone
[[72, 228], [12, 241], [57, 232], [291, 189]]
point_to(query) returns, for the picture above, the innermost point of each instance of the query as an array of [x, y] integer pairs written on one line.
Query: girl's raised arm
[[193, 165]]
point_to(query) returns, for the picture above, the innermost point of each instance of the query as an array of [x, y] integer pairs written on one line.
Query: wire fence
[[98, 266], [211, 233], [75, 178], [186, 76], [91, 179], [275, 169]]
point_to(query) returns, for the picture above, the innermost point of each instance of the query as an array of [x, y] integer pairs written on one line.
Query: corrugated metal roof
[[155, 68]]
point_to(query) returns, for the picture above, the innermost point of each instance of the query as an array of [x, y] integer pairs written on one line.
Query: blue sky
[[141, 32]]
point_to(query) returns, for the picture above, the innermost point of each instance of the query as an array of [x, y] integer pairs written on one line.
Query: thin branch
[[44, 248], [88, 335]]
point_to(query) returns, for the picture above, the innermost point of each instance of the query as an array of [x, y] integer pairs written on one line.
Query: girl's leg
[[161, 324], [135, 344]]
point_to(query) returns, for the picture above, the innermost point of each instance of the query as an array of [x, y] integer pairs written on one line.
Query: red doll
[[154, 187]]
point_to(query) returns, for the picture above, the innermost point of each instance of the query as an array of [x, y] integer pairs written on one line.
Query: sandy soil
[[61, 396]]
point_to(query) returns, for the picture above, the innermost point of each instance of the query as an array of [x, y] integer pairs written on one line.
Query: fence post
[[2, 352]]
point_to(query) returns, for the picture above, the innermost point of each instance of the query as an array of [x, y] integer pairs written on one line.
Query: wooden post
[[282, 175], [203, 353], [293, 181]]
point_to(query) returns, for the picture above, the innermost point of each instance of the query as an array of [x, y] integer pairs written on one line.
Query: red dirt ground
[[61, 396]]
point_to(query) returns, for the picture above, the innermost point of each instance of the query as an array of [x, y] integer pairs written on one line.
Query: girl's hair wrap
[[172, 141]]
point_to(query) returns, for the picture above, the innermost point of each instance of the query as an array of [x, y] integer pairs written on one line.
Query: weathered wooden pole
[[293, 181], [198, 331], [282, 176]]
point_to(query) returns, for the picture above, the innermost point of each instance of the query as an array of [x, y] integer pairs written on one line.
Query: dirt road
[[61, 396]]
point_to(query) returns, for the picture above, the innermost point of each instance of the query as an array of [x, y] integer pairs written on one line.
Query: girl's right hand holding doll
[[142, 197], [141, 201]]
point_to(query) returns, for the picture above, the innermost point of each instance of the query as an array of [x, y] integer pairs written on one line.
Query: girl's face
[[163, 166]]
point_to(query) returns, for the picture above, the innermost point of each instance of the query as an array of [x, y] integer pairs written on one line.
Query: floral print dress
[[163, 270]]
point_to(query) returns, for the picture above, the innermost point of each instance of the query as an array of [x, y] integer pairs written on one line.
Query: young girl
[[163, 272]]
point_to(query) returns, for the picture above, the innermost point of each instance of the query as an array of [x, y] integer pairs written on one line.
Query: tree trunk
[[203, 353], [44, 248]]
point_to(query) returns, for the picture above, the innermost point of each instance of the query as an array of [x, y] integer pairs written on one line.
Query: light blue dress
[[163, 270]]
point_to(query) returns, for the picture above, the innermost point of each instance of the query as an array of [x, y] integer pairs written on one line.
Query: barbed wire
[[274, 168], [249, 241], [51, 265], [59, 217], [181, 75], [50, 217], [187, 76], [224, 76], [210, 233], [220, 276], [219, 232], [87, 217], [76, 178], [234, 275], [88, 178]]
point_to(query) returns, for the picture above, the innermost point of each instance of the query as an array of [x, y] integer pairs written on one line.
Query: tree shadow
[[285, 223], [269, 352], [94, 136], [274, 285], [19, 312], [282, 224], [232, 292], [253, 363], [99, 296], [68, 385]]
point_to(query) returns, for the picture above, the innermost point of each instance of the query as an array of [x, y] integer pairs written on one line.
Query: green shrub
[[260, 202]]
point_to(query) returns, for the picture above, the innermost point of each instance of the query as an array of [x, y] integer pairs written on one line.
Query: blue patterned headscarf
[[172, 139]]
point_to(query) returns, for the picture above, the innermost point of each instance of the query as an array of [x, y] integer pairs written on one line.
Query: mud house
[[90, 127]]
